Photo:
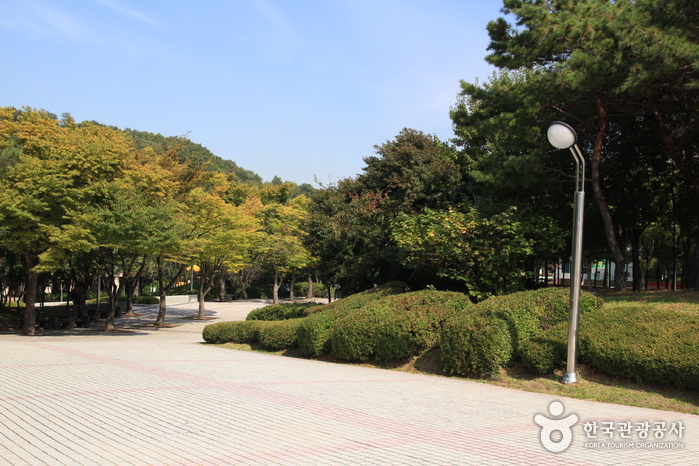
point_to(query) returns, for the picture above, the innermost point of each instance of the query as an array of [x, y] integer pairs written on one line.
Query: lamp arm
[[579, 174]]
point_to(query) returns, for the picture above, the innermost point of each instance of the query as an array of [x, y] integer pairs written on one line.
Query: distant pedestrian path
[[149, 397]]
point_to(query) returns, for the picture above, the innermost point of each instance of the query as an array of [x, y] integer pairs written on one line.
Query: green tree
[[485, 253], [349, 224], [281, 246], [221, 234], [620, 58], [62, 167]]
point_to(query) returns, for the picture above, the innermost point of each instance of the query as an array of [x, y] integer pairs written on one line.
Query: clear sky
[[294, 88]]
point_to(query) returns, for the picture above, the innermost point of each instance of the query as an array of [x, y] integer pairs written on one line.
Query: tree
[[61, 168], [349, 223], [625, 57], [281, 246], [221, 234], [485, 253]]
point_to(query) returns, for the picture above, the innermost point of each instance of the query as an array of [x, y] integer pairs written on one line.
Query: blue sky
[[295, 88]]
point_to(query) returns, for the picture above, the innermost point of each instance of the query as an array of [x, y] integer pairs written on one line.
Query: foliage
[[274, 335], [546, 351], [652, 342], [474, 343], [485, 254], [193, 153], [319, 289], [280, 311], [245, 331], [279, 335], [315, 331], [395, 327], [645, 344], [529, 313], [349, 223]]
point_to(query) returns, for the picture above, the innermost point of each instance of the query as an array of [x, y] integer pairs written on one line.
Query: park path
[[160, 397]]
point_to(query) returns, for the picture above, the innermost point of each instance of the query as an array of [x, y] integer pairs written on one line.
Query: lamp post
[[563, 136]]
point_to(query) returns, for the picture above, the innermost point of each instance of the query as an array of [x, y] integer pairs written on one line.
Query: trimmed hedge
[[315, 331], [301, 289], [644, 344], [282, 311], [475, 343], [279, 335], [526, 316], [395, 327], [528, 313], [547, 351], [637, 342], [313, 334], [245, 331], [274, 335]]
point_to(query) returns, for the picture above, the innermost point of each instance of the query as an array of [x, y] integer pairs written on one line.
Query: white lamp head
[[562, 135]]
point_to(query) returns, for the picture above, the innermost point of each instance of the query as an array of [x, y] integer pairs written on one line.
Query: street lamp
[[563, 136]]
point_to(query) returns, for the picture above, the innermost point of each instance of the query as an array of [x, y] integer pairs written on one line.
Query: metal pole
[[576, 266]]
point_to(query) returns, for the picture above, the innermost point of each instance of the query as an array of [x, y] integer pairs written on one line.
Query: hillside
[[196, 152]]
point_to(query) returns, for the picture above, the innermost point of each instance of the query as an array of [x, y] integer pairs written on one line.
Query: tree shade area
[[486, 213]]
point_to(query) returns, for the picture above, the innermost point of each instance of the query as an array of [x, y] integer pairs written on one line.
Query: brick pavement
[[160, 397]]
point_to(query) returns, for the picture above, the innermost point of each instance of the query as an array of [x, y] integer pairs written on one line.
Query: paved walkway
[[160, 397]]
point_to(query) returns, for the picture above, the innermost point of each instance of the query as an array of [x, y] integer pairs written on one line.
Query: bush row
[[315, 331], [641, 343], [395, 327], [282, 311], [385, 324], [499, 330], [273, 335]]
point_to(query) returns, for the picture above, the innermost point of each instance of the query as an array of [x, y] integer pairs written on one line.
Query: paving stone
[[150, 397]]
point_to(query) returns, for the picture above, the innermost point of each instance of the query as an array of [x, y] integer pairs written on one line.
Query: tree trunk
[[693, 276], [309, 293], [162, 293], [636, 261], [162, 308], [128, 287], [29, 321], [113, 290], [222, 272], [291, 286], [200, 300], [275, 287], [205, 277], [617, 253]]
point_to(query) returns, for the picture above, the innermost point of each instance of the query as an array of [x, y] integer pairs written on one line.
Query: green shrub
[[279, 335], [233, 332], [643, 343], [528, 313], [282, 311], [145, 300], [315, 331], [395, 327], [547, 351], [475, 343]]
